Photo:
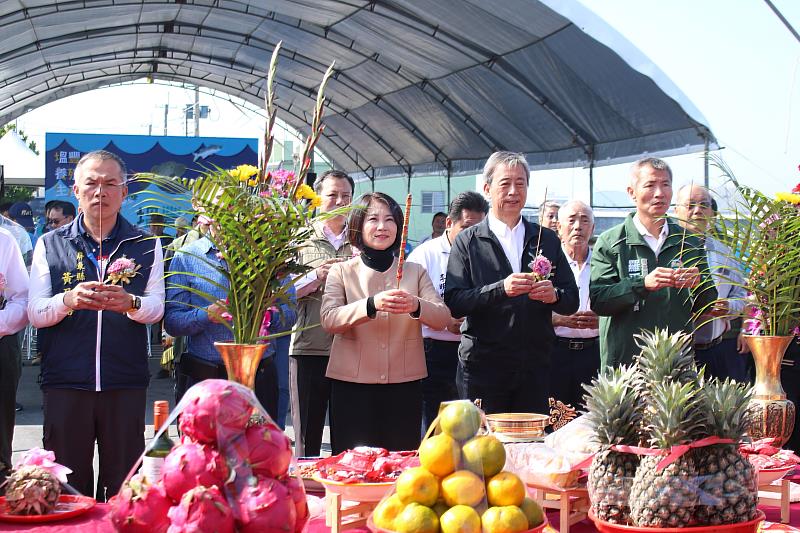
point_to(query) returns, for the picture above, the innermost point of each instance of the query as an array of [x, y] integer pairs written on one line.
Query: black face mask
[[379, 260]]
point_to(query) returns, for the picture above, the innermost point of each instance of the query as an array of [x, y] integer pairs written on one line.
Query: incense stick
[[403, 239], [539, 238]]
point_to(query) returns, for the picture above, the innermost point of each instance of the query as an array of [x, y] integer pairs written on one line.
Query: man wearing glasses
[[95, 284], [59, 213], [713, 348]]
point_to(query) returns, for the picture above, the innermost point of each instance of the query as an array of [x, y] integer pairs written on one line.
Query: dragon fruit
[[298, 494], [266, 507], [189, 465], [215, 411], [201, 510], [140, 507], [264, 448]]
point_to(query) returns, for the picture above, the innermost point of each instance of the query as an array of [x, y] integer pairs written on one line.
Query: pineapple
[[32, 490], [613, 411], [665, 358], [667, 498], [728, 486]]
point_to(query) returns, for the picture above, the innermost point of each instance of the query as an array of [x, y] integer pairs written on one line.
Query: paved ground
[[28, 431]]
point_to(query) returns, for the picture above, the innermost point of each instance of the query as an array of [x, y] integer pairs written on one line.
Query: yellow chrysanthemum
[[304, 192], [316, 201], [252, 183], [244, 172], [788, 197]]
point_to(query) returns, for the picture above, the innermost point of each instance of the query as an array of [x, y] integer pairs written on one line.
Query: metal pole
[[449, 175], [196, 111], [591, 177], [705, 163], [166, 115]]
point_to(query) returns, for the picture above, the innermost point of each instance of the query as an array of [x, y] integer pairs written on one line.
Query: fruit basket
[[742, 527], [357, 492]]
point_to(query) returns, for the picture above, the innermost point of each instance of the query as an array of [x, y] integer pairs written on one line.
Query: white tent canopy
[[21, 166]]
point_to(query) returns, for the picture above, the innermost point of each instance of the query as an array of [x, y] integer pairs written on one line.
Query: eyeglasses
[[701, 205]]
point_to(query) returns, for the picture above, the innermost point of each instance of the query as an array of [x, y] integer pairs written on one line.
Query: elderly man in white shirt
[[441, 346], [13, 317], [717, 351], [576, 355]]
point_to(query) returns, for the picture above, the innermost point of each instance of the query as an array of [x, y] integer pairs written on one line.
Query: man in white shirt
[[548, 215], [576, 356], [507, 337], [441, 347], [13, 318], [719, 354]]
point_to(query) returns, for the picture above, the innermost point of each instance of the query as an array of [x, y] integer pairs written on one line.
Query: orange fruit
[[461, 420], [386, 512], [533, 512], [484, 455], [463, 487], [504, 489], [417, 485], [460, 519], [440, 454], [416, 518], [507, 519]]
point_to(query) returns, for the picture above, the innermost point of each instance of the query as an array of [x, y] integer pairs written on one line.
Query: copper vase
[[241, 361], [771, 414]]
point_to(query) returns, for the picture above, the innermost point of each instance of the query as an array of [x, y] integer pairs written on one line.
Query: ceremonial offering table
[[571, 504], [97, 521]]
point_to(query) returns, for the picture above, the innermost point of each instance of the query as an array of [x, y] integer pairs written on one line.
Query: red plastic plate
[[68, 506]]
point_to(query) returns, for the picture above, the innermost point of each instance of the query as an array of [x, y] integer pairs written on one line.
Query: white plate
[[769, 475]]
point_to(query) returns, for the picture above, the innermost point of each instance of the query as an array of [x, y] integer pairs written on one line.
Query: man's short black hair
[[67, 208], [5, 206], [469, 200], [337, 174], [439, 214]]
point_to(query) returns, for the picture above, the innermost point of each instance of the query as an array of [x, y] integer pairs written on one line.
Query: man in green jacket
[[647, 272], [309, 388]]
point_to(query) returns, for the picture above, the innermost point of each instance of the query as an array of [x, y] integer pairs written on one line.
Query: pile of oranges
[[460, 486]]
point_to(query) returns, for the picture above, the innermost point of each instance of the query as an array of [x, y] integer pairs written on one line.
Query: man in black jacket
[[507, 337]]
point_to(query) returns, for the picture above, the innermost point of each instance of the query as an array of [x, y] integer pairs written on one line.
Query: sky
[[733, 59]]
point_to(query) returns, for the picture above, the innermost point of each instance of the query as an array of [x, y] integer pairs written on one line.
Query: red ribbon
[[674, 452]]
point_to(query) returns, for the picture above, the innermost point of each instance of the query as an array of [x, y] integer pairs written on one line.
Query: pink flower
[[796, 331], [121, 265], [2, 281], [752, 327], [265, 323], [46, 459], [541, 267]]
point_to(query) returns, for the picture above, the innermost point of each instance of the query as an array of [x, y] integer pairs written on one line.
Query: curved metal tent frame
[[420, 85]]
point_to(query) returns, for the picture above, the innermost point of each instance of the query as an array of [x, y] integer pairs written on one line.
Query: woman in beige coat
[[377, 359]]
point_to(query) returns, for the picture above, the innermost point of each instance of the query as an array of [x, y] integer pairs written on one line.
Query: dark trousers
[[310, 403], [10, 371], [192, 370], [723, 361], [575, 362], [75, 419], [441, 358], [505, 386], [386, 416]]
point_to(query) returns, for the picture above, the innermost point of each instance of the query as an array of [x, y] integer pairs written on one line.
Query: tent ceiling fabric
[[421, 85]]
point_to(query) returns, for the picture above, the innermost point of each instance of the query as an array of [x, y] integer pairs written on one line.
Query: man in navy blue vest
[[95, 284]]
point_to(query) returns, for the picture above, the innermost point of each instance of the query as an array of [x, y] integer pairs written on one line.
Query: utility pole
[[196, 111], [166, 117]]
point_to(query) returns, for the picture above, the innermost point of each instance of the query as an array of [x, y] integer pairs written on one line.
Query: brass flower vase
[[241, 361], [771, 414]]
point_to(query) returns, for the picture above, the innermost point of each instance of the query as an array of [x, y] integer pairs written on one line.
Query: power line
[[783, 19]]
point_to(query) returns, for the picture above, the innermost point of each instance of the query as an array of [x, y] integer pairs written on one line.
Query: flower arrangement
[[122, 271], [764, 238], [541, 267], [259, 219]]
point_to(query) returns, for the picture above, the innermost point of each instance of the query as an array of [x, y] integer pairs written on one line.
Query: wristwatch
[[136, 303]]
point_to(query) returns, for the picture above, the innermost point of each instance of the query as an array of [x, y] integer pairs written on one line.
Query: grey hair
[[103, 155], [576, 203], [509, 159], [546, 204], [652, 162], [689, 186]]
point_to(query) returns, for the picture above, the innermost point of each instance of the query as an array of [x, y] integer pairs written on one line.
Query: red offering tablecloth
[[96, 521]]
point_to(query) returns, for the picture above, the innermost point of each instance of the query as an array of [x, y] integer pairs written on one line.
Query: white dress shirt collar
[[511, 239], [655, 243]]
